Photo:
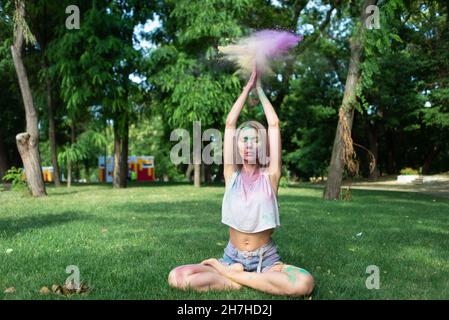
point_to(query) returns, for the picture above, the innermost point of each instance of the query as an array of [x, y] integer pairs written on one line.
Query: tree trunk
[[219, 177], [207, 173], [124, 157], [203, 172], [86, 168], [4, 163], [69, 163], [391, 152], [430, 156], [69, 174], [31, 162], [52, 134], [106, 157], [335, 173], [197, 175], [27, 142], [373, 137], [197, 147], [116, 172], [189, 171]]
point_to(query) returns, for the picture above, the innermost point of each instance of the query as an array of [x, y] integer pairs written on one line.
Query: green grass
[[153, 228]]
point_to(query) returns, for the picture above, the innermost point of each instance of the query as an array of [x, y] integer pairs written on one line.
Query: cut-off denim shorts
[[259, 260]]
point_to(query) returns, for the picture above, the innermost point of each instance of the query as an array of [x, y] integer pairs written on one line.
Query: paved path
[[440, 186]]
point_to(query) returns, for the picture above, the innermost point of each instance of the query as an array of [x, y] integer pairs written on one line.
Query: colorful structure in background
[[47, 172], [141, 168]]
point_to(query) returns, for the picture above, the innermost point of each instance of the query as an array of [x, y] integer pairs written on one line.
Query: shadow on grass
[[187, 231], [10, 226], [144, 184]]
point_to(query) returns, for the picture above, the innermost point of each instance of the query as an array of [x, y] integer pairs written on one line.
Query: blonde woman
[[252, 169]]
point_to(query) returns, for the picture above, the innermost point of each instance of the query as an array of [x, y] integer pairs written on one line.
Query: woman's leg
[[281, 279], [201, 278]]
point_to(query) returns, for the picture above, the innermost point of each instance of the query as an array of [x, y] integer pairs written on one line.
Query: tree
[[10, 119], [95, 69], [27, 142], [343, 152], [188, 81], [45, 21]]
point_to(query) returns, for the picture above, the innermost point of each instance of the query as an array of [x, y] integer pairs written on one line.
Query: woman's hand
[[253, 79], [258, 84]]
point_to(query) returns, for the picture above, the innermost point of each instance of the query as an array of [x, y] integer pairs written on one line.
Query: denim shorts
[[259, 260]]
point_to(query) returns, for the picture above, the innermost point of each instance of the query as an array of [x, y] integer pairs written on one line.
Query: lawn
[[126, 241]]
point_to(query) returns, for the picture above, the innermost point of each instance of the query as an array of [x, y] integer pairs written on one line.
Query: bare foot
[[222, 269]]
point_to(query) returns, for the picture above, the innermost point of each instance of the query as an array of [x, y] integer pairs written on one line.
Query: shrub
[[16, 177], [283, 182], [409, 171]]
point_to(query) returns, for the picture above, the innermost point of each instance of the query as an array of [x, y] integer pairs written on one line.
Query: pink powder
[[261, 48]]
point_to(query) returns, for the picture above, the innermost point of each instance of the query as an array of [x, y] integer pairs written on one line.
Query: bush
[[283, 182], [16, 178], [409, 171]]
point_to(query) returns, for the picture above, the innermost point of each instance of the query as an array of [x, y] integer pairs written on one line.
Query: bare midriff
[[249, 241]]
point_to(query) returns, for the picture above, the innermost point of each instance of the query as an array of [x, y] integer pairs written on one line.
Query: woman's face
[[249, 145]]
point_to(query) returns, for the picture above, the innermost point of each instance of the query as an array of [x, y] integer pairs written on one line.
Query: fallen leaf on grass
[[56, 288], [69, 288], [44, 290], [104, 230], [10, 290]]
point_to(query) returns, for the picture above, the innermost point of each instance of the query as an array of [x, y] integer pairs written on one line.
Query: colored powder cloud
[[261, 47]]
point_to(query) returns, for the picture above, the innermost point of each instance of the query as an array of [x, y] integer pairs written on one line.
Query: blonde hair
[[262, 158]]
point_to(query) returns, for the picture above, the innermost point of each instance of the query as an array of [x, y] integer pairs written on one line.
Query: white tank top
[[250, 206]]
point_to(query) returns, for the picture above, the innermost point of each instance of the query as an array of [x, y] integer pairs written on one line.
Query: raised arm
[[231, 122], [274, 137]]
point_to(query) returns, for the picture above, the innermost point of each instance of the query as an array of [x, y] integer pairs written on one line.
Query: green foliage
[[377, 43], [71, 153], [19, 20], [88, 144], [195, 85], [409, 171], [147, 138], [308, 113], [283, 182], [16, 177], [402, 99]]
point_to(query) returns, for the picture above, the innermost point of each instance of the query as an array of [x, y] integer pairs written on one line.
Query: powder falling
[[261, 48]]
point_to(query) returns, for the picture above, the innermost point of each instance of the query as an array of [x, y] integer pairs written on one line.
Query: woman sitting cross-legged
[[250, 209]]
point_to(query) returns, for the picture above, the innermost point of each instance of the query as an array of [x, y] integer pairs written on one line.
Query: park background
[[136, 70]]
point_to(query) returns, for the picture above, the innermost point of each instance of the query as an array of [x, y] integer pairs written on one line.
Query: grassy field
[[126, 241]]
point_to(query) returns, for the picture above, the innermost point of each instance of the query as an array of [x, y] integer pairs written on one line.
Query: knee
[[176, 278], [303, 286]]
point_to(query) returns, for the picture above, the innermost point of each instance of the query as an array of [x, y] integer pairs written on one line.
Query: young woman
[[250, 209]]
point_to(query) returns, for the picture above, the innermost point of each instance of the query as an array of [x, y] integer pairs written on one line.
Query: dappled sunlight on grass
[[126, 241]]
